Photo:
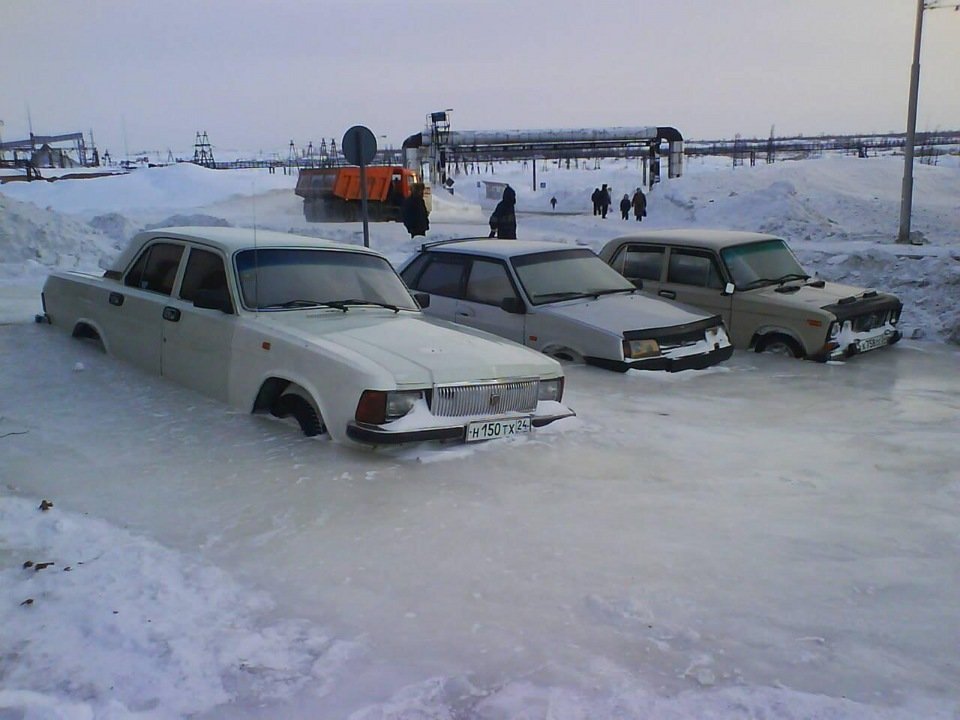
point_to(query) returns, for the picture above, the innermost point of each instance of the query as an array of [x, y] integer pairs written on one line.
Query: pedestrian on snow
[[596, 201], [503, 221], [553, 203], [625, 207], [605, 201], [639, 205], [414, 212]]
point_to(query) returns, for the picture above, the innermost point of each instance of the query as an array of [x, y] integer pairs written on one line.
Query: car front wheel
[[293, 403], [779, 345]]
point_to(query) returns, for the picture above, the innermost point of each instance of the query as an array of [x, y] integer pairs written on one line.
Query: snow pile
[[33, 240], [116, 625], [175, 187]]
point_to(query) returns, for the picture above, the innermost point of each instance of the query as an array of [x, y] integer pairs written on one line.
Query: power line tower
[[202, 150], [770, 146]]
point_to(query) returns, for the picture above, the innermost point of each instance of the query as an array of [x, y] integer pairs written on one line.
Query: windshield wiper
[[611, 291], [303, 303], [344, 304], [792, 276], [565, 295]]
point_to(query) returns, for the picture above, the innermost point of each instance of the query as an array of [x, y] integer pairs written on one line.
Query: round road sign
[[359, 145]]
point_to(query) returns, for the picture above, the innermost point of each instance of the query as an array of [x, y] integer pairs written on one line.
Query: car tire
[[293, 403], [779, 345]]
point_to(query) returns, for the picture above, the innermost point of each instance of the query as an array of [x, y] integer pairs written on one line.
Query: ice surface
[[767, 538]]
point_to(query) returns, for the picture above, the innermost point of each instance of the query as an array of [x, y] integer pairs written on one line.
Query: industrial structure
[[441, 148], [44, 151]]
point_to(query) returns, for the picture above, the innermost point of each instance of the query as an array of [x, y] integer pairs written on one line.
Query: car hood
[[808, 296], [623, 312], [416, 351]]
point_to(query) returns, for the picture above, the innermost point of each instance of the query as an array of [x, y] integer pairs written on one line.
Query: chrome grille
[[494, 398]]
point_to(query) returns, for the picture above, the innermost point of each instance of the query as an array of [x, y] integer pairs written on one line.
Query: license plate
[[872, 343], [494, 429]]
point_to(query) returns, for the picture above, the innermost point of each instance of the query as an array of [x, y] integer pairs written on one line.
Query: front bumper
[[688, 362], [840, 351], [381, 435]]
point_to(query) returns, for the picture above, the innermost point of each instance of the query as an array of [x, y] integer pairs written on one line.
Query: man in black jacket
[[503, 221], [414, 212]]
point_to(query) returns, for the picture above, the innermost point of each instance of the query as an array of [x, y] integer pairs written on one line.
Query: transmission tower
[[202, 150]]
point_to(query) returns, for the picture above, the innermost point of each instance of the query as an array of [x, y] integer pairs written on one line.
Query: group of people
[[503, 220], [602, 201]]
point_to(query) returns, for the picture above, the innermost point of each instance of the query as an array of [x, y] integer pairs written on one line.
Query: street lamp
[[906, 197]]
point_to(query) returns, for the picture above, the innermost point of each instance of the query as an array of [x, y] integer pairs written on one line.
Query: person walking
[[596, 201], [503, 220], [605, 201], [639, 205], [553, 202], [414, 212], [625, 207]]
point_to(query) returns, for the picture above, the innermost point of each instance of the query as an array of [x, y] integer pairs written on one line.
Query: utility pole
[[906, 197]]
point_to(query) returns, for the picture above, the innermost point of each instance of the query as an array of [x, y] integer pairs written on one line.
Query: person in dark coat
[[605, 201], [414, 212], [503, 221], [639, 205], [625, 207], [596, 201]]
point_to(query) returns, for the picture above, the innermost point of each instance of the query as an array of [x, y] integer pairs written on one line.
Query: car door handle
[[464, 313], [116, 299], [171, 314], [667, 294]]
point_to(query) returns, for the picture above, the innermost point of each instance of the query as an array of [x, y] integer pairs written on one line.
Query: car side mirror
[[637, 283], [213, 300], [728, 289], [423, 299], [513, 305]]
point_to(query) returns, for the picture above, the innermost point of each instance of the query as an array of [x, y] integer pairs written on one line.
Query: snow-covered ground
[[766, 538]]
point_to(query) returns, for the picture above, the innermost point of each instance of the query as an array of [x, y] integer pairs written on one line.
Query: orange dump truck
[[333, 194]]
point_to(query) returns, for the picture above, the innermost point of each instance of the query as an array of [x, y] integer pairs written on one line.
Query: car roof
[[694, 237], [230, 240], [492, 247]]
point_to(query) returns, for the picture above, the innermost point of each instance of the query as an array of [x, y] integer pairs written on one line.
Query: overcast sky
[[256, 74]]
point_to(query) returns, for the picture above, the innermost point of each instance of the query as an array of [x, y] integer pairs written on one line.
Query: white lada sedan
[[321, 332], [564, 301]]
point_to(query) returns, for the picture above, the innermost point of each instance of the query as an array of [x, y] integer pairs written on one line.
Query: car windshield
[[285, 278], [563, 274], [767, 262]]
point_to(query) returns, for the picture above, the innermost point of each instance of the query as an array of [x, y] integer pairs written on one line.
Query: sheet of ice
[[763, 539]]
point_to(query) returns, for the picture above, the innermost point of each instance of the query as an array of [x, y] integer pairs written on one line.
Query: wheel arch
[[87, 329], [767, 331]]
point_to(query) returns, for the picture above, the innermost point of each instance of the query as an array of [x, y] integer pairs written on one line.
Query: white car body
[[618, 327], [329, 356]]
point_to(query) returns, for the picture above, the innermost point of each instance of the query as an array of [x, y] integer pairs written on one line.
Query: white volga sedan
[[317, 331], [564, 301]]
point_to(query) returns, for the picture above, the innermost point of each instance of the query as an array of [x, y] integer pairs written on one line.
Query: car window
[[291, 278], [489, 283], [443, 276], [640, 262], [557, 275], [693, 268], [411, 273], [156, 268], [205, 271]]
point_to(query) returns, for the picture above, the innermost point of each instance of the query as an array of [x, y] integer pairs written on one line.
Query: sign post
[[359, 146]]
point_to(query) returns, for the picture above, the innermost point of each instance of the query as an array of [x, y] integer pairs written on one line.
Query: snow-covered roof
[[493, 247], [713, 239], [229, 240]]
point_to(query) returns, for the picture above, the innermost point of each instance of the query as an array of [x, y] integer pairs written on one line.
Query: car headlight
[[636, 349], [834, 330], [379, 406], [551, 390]]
